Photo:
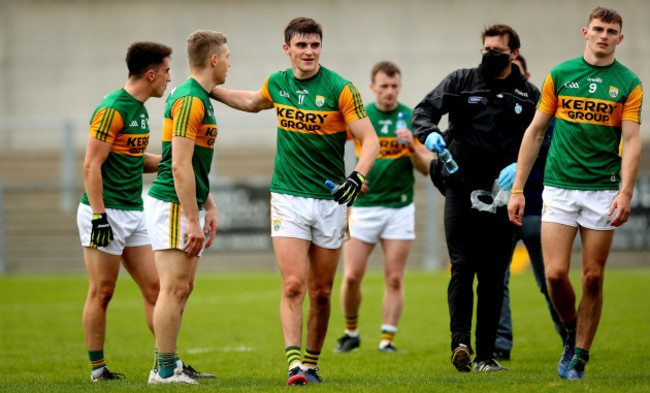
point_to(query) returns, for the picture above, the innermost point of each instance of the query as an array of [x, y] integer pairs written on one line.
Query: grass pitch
[[231, 328]]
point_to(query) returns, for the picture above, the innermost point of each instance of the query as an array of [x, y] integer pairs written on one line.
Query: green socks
[[97, 359]]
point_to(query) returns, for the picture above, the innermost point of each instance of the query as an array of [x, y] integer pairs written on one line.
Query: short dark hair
[[503, 30], [607, 15], [201, 44], [387, 68], [522, 60], [302, 26], [142, 56]]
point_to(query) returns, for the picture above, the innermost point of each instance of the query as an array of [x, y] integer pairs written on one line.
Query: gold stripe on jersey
[[106, 124], [174, 224], [187, 116], [632, 107], [309, 122], [350, 104], [589, 111], [130, 144]]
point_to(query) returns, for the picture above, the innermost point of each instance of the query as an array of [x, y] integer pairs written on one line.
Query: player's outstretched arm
[[248, 101]]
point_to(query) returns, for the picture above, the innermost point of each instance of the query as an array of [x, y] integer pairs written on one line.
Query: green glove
[[102, 234]]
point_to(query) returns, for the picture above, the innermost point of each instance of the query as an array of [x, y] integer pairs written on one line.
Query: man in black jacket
[[489, 108]]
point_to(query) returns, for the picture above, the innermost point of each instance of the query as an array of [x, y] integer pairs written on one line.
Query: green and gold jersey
[[122, 121], [390, 181], [312, 119], [589, 104], [188, 114]]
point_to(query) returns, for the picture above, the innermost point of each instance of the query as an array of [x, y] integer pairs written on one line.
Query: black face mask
[[493, 63]]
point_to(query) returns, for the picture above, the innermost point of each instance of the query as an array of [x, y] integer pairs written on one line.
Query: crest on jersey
[[613, 92], [276, 225], [320, 101], [518, 108]]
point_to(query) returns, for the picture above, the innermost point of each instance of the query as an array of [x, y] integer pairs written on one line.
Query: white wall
[[58, 58]]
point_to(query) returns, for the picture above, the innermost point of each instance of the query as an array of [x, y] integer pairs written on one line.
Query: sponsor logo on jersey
[[597, 80], [474, 99], [390, 149], [592, 111], [572, 85], [613, 92], [211, 135], [302, 91], [130, 144], [521, 93], [284, 94], [320, 101], [296, 120], [133, 123], [518, 108]]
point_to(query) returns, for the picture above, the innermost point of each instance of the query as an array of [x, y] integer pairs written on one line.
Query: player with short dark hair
[[110, 216], [314, 106]]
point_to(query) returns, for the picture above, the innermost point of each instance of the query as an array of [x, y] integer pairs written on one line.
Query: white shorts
[[585, 208], [167, 223], [369, 224], [129, 229], [321, 221]]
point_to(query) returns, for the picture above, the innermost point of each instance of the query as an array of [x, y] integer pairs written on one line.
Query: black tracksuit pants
[[479, 244]]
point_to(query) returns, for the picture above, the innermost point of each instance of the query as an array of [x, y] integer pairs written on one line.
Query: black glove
[[347, 191], [102, 234]]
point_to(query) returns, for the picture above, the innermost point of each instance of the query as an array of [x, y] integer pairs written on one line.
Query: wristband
[[517, 191]]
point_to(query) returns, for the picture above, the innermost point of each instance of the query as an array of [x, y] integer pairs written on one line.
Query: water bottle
[[330, 184], [401, 123], [448, 160]]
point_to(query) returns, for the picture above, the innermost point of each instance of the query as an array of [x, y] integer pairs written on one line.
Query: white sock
[[98, 372], [352, 334]]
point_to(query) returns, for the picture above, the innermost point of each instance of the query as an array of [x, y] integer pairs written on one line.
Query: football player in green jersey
[[588, 186], [180, 212], [385, 212], [314, 107], [110, 217]]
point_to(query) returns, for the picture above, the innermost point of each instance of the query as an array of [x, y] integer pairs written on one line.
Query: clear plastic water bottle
[[448, 160], [401, 123]]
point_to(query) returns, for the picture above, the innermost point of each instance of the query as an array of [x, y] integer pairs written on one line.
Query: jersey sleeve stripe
[[632, 106], [105, 126], [358, 104], [184, 116]]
